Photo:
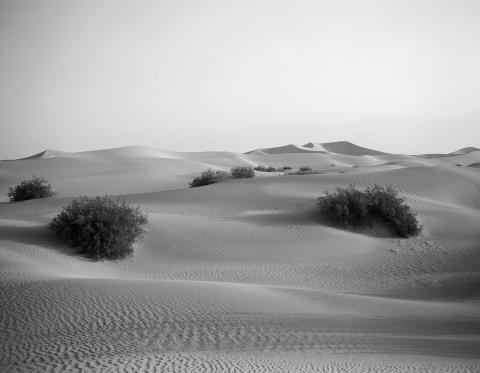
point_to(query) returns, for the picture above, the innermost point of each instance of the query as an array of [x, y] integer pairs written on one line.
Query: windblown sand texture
[[241, 276]]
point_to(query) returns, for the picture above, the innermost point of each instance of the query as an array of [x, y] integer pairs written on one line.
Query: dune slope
[[242, 275]]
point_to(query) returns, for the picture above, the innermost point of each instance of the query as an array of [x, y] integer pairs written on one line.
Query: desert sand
[[241, 276]]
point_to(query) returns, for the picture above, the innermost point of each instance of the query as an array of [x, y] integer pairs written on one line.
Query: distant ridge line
[[138, 151], [337, 147]]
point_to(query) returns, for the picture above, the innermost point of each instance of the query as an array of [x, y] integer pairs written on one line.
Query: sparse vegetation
[[208, 177], [243, 172], [353, 207], [266, 168], [100, 228], [304, 170], [33, 188]]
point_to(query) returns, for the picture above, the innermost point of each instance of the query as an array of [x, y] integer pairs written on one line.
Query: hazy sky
[[399, 76]]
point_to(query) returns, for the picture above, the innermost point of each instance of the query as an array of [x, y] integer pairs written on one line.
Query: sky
[[188, 75]]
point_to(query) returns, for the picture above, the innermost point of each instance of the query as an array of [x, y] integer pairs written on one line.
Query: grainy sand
[[241, 276]]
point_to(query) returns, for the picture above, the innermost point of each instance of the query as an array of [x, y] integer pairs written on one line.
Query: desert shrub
[[304, 170], [36, 187], [208, 177], [243, 172], [265, 168], [311, 172], [353, 207], [101, 227]]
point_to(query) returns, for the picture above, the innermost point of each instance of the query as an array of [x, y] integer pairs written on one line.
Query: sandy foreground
[[242, 276]]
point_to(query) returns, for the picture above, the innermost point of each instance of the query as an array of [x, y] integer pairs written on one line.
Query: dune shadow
[[376, 228], [311, 217], [38, 235], [460, 291]]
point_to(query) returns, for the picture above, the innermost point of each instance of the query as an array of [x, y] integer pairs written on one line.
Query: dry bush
[[353, 207], [101, 227], [266, 168], [208, 177], [243, 172], [36, 187]]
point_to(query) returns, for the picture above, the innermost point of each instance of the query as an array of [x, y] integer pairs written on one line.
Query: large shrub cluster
[[353, 207], [101, 227], [243, 172], [33, 188], [208, 177]]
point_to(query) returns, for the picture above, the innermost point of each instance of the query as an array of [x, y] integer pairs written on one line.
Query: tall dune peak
[[348, 148], [337, 147], [462, 151]]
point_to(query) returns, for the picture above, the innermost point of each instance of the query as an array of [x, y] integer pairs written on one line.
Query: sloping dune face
[[339, 147], [243, 276]]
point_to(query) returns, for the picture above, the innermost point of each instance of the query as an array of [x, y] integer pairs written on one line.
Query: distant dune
[[241, 275], [459, 152], [339, 147], [347, 148], [464, 151]]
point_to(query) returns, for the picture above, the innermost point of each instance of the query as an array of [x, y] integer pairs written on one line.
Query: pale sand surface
[[242, 276]]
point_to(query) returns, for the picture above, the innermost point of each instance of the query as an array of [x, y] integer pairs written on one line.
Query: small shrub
[[36, 187], [353, 207], [265, 168], [100, 228], [243, 172], [304, 172], [286, 168], [208, 177]]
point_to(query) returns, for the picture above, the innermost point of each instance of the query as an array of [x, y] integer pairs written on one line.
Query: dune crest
[[338, 147]]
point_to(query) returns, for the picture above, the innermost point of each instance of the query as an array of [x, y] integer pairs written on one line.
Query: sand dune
[[241, 275], [466, 150], [339, 147]]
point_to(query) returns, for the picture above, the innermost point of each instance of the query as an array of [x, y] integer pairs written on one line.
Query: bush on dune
[[353, 207], [36, 187], [208, 177], [304, 170], [265, 168], [272, 169], [100, 228], [243, 172]]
